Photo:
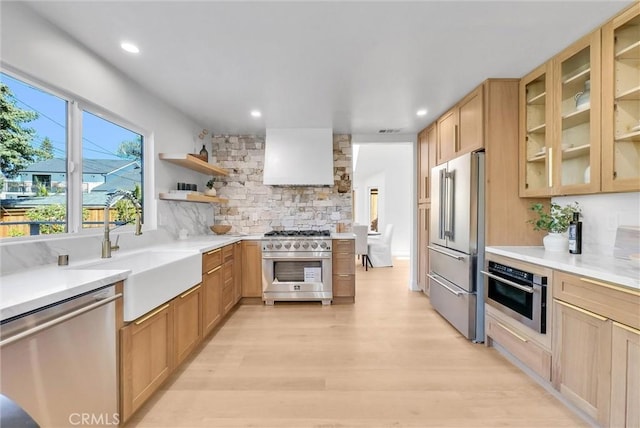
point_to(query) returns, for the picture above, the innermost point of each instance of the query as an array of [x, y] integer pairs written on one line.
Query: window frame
[[74, 147]]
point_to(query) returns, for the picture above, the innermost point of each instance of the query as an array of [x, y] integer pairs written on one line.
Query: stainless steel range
[[296, 265]]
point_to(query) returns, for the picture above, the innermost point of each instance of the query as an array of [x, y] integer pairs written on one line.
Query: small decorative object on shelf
[[204, 154], [211, 191], [555, 222], [583, 98]]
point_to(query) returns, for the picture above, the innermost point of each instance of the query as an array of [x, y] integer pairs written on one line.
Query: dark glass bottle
[[575, 235], [204, 154]]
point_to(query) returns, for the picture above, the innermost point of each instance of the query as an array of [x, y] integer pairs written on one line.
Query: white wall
[[389, 167], [39, 50], [601, 215]]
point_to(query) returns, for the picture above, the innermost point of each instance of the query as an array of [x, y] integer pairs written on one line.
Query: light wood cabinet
[[424, 212], [211, 290], [625, 375], [460, 130], [146, 359], [228, 286], [187, 322], [582, 358], [344, 270], [251, 269], [621, 102], [427, 141], [237, 274]]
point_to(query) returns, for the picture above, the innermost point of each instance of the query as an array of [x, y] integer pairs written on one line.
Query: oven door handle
[[289, 257], [510, 283]]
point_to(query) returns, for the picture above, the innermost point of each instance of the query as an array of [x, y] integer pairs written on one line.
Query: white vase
[[210, 192], [555, 242]]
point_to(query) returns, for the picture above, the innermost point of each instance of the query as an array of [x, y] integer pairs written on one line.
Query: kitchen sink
[[156, 277]]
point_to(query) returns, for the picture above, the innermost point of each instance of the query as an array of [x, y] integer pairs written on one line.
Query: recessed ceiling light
[[422, 112], [256, 113], [129, 47]]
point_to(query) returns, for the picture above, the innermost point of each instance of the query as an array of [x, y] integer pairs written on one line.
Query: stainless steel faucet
[[112, 199]]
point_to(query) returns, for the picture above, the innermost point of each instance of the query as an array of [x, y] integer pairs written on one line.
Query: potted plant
[[211, 191], [556, 222]]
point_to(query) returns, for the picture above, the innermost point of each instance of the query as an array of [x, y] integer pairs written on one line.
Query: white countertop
[[597, 266], [346, 235], [37, 287]]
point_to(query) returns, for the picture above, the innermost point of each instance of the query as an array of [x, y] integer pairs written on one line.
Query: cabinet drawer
[[344, 263], [344, 285], [211, 260], [344, 246], [603, 298], [533, 356], [227, 253]]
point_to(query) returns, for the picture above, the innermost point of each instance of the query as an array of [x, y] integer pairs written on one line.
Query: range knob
[[314, 245], [269, 245], [287, 245], [323, 245], [305, 245], [278, 245], [296, 245]]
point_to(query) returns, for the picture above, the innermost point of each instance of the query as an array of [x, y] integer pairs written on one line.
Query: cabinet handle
[[612, 287], [214, 269], [582, 311], [513, 333], [426, 187], [626, 327], [550, 173], [182, 296], [344, 275], [213, 252], [152, 314]]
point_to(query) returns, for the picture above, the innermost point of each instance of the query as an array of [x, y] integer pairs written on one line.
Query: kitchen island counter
[[597, 266]]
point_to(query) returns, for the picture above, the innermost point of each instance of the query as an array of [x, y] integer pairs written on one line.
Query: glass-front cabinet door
[[621, 102], [535, 132], [575, 158]]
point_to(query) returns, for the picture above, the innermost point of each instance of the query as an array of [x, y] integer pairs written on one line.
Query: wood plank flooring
[[388, 361]]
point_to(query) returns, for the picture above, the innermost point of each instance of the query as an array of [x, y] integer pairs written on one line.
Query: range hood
[[298, 157]]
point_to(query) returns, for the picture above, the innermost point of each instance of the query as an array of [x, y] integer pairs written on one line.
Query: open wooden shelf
[[580, 75], [186, 160], [576, 152], [538, 157], [576, 118], [630, 136], [630, 52], [537, 129], [192, 197]]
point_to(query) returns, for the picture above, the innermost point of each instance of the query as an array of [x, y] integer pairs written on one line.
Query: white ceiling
[[354, 66]]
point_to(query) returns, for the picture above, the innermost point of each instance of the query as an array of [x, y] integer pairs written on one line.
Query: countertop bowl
[[220, 229]]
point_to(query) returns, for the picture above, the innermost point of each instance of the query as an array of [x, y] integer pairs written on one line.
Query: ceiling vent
[[388, 131]]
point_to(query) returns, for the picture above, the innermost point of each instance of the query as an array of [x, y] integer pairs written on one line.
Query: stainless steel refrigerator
[[456, 250]]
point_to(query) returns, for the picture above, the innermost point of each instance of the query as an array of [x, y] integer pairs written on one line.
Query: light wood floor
[[388, 361]]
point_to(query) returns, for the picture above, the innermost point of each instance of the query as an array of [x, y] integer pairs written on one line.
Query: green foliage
[[15, 232], [130, 149], [45, 152], [16, 152], [41, 190], [125, 209], [210, 183], [556, 220], [48, 213]]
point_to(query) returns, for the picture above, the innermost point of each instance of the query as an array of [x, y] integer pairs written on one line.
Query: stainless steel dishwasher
[[59, 362]]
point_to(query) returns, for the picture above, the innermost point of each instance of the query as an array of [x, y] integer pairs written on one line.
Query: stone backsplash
[[256, 208]]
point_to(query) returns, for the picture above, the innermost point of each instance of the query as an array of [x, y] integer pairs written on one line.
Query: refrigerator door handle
[[437, 250], [451, 185], [449, 289], [442, 207]]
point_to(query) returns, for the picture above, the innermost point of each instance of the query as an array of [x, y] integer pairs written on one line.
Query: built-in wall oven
[[520, 294], [297, 266]]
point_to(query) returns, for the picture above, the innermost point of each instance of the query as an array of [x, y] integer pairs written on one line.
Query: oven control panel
[[517, 274], [295, 245]]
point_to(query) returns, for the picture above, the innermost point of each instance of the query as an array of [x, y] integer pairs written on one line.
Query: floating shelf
[[186, 160], [537, 129], [630, 52], [581, 75], [629, 95], [192, 197], [629, 137], [537, 157], [538, 99], [576, 152], [576, 118]]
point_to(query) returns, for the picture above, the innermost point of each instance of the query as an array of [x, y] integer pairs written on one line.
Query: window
[[40, 194]]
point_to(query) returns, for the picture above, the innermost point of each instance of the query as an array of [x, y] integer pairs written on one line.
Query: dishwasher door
[[59, 363]]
